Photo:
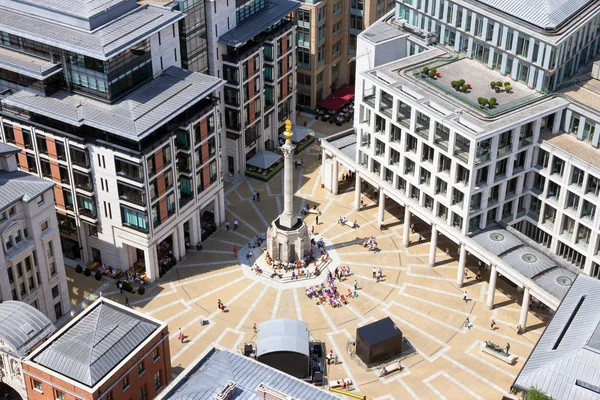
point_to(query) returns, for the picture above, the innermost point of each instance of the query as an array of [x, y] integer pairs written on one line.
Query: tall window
[[134, 219]]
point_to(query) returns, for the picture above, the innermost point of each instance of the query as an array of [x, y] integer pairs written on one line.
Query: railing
[[504, 150], [422, 129], [369, 97], [441, 139], [525, 142]]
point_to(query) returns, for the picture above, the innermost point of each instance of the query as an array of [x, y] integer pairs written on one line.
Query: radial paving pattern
[[424, 302]]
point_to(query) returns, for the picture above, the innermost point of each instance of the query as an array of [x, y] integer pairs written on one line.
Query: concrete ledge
[[510, 359]]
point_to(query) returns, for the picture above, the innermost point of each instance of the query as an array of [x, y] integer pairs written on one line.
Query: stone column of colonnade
[[381, 212], [462, 260], [334, 176], [406, 227], [357, 192], [524, 310], [492, 287], [433, 248]]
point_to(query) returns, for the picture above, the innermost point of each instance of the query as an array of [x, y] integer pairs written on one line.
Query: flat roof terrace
[[478, 76]]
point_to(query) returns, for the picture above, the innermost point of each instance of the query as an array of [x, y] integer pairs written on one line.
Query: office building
[[327, 36], [515, 180], [31, 261], [95, 96], [107, 352]]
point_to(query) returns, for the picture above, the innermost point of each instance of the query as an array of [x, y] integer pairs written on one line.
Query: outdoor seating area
[[338, 107], [264, 165], [328, 292], [106, 270]]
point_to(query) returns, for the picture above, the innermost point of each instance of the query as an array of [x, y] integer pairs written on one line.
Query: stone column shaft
[[381, 211], [462, 260], [492, 287], [357, 192], [335, 176], [433, 246], [288, 218], [524, 310], [406, 227]]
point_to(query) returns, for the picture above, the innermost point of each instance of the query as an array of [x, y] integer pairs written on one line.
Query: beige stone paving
[[424, 302]]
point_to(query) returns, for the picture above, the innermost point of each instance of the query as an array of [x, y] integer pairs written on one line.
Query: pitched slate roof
[[136, 115], [95, 344], [201, 381], [78, 8], [22, 326], [102, 43], [565, 363], [545, 14], [21, 186]]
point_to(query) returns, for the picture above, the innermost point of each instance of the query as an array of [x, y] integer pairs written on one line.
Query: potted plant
[[461, 82], [79, 268], [464, 88], [454, 85], [431, 73], [492, 102], [141, 290], [493, 85], [508, 88], [87, 272], [98, 275], [482, 101], [437, 74], [506, 84], [425, 70]]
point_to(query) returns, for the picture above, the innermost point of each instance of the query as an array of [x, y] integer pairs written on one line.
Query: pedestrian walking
[[519, 330], [235, 251], [380, 271], [235, 225], [478, 276], [180, 335], [227, 225], [335, 359], [466, 274], [121, 287], [258, 196], [467, 323], [378, 276], [253, 195], [126, 301], [355, 285], [254, 327], [317, 220], [312, 229], [374, 272], [420, 237], [465, 296], [447, 251], [412, 228], [492, 325], [507, 348]]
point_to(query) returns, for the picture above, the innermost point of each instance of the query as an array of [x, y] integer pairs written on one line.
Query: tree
[[536, 394]]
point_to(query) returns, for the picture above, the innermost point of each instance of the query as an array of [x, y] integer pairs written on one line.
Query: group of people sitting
[[324, 293], [371, 244], [344, 221]]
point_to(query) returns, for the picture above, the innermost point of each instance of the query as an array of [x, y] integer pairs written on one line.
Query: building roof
[[497, 241], [565, 363], [545, 14], [203, 379], [136, 115], [102, 43], [283, 334], [379, 331], [529, 262], [20, 186], [22, 326], [91, 346], [7, 149], [276, 11], [76, 8], [345, 142], [27, 65]]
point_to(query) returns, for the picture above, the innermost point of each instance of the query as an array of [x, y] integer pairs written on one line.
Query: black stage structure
[[379, 341]]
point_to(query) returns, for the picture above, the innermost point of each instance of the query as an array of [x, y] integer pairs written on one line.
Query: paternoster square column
[[288, 218]]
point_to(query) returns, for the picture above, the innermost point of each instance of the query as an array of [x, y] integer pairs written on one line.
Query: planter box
[[510, 359]]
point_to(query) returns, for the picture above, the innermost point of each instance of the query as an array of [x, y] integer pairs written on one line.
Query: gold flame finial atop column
[[288, 131]]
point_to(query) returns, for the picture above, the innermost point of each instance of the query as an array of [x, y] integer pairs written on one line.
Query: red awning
[[339, 98]]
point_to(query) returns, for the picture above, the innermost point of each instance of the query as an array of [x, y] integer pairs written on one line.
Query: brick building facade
[[108, 352]]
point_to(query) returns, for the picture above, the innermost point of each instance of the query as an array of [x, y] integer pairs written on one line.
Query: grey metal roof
[[546, 14], [27, 65], [95, 344], [381, 32], [77, 8], [133, 117], [102, 43], [556, 281], [497, 241], [203, 380], [20, 186], [8, 149], [346, 144], [528, 261], [276, 10], [567, 350], [22, 326], [282, 334]]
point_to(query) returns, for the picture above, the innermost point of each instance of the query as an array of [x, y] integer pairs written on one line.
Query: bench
[[340, 382], [393, 368], [349, 224], [509, 359], [311, 211]]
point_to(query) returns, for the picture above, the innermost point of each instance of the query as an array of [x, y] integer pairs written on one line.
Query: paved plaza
[[424, 302]]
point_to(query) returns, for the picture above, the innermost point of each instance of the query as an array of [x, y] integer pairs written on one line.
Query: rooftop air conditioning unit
[[402, 22]]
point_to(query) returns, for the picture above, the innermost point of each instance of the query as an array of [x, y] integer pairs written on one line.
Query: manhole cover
[[529, 258], [496, 237], [564, 281]]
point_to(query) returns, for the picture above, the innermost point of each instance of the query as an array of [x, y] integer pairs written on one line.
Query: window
[[49, 249], [336, 50], [157, 382], [337, 28], [141, 368], [134, 219], [8, 242], [58, 395], [37, 385], [40, 199], [55, 292], [125, 382], [337, 8], [143, 393], [155, 354], [52, 269], [44, 225]]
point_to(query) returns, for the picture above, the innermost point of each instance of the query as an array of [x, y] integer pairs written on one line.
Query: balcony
[[525, 142], [422, 129], [369, 97], [504, 150], [441, 139], [182, 140], [461, 151]]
